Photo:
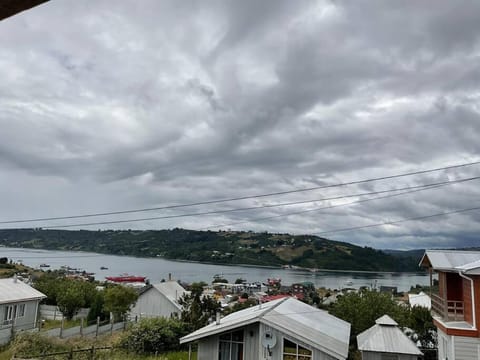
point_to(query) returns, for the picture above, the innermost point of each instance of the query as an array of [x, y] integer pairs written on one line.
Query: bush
[[154, 335], [27, 344]]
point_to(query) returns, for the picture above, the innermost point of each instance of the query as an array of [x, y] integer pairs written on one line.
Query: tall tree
[[198, 309]]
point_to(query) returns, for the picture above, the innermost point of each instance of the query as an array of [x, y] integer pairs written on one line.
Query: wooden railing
[[449, 310]]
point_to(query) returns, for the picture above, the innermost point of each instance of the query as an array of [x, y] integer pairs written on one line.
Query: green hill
[[230, 247]]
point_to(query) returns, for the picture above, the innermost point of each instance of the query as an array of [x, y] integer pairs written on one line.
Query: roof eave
[[23, 299]]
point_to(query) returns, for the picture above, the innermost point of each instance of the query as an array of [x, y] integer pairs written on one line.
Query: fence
[[69, 355], [91, 329], [52, 312]]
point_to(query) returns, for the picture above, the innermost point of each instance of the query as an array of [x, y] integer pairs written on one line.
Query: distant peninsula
[[219, 247]]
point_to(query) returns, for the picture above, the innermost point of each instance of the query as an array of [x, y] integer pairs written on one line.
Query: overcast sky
[[116, 105]]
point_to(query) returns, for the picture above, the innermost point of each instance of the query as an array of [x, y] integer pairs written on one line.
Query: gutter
[[472, 289]]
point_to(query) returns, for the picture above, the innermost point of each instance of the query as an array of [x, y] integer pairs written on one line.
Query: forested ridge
[[227, 247]]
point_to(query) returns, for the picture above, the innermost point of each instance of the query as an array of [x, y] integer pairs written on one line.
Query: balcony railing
[[449, 310]]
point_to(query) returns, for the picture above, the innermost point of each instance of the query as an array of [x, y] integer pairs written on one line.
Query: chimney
[[217, 321], [169, 276], [15, 278]]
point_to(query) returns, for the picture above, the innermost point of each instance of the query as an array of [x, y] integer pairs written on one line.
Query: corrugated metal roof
[[387, 339], [472, 268], [386, 320], [315, 327], [450, 259], [172, 290], [15, 290], [420, 299]]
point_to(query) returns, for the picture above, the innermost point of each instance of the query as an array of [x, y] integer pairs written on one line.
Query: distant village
[[266, 320]]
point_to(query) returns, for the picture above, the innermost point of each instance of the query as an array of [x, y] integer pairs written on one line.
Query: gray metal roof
[[314, 327], [12, 290], [386, 320], [172, 290], [449, 260], [387, 339]]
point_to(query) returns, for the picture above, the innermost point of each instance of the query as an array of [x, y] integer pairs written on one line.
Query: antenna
[[269, 341]]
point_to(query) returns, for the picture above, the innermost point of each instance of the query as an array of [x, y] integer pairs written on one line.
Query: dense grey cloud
[[119, 105]]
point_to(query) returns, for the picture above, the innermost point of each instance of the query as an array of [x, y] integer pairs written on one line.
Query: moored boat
[[126, 279]]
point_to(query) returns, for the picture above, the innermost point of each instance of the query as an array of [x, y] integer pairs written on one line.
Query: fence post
[[92, 353], [70, 355], [61, 327], [81, 327], [98, 325]]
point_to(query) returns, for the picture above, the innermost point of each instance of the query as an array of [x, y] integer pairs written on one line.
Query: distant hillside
[[228, 247]]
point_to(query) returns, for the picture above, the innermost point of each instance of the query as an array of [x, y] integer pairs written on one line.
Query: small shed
[[159, 300], [385, 341]]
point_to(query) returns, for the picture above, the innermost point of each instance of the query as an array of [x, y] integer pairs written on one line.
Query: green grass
[[52, 324]]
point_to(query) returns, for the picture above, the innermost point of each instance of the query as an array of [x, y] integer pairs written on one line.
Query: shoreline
[[309, 270]]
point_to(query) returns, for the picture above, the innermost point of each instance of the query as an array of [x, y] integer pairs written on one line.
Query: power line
[[257, 207], [320, 208], [209, 202], [397, 221]]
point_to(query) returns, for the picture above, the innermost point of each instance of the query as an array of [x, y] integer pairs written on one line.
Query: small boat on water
[[44, 265], [103, 268], [126, 279]]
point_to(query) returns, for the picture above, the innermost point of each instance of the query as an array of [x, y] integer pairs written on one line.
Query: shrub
[[154, 335]]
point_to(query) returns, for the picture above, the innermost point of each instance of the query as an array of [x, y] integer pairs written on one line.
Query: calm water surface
[[157, 269]]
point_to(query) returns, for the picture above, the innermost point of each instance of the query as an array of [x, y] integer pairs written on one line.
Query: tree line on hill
[[225, 247]]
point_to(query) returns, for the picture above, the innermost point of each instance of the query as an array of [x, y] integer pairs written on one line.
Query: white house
[[420, 299], [281, 329], [18, 307], [159, 300], [385, 341]]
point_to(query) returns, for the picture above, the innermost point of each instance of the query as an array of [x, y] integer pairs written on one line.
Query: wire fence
[[77, 354]]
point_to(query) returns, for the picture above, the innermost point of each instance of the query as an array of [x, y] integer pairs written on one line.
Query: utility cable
[[319, 208], [209, 202], [397, 221], [254, 207]]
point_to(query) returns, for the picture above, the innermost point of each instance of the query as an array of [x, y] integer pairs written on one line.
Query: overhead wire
[[421, 187], [218, 201]]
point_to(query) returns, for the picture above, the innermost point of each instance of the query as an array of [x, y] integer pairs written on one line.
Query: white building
[[159, 300], [18, 307], [281, 329], [385, 341]]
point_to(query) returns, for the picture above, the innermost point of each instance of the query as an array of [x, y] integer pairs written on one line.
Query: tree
[[363, 308], [70, 298], [118, 299], [197, 308]]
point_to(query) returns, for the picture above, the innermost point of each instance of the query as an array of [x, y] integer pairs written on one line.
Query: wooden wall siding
[[208, 348], [368, 355], [466, 348], [476, 286], [25, 322], [153, 304], [454, 287], [253, 350], [442, 289], [467, 302]]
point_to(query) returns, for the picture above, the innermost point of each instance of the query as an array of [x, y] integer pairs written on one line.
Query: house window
[[11, 312], [21, 310], [389, 357], [293, 351], [231, 346]]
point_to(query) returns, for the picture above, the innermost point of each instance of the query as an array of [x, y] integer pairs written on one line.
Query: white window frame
[[12, 312], [296, 342], [231, 341]]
